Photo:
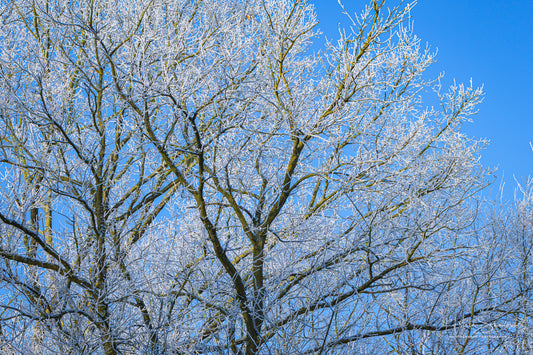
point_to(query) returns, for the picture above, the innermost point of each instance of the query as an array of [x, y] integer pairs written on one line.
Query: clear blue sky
[[490, 41]]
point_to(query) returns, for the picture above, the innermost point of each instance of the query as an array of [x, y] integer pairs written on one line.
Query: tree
[[508, 263], [184, 176]]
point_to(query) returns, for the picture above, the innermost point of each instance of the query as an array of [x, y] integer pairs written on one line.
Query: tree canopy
[[195, 177]]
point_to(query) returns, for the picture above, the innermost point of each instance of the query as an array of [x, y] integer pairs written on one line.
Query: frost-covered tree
[[187, 176]]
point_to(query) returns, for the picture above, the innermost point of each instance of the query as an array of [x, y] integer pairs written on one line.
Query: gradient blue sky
[[490, 41]]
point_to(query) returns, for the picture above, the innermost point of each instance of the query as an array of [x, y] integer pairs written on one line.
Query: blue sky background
[[490, 41]]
